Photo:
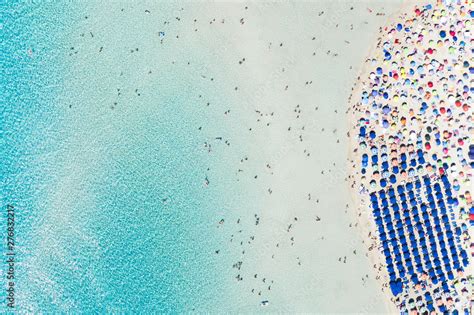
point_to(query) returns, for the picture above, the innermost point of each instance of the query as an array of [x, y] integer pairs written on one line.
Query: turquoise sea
[[105, 162]]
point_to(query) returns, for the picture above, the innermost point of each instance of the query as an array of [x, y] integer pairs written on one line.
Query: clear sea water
[[104, 162]]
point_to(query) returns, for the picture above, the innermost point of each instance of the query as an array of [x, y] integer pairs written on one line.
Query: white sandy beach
[[289, 128]]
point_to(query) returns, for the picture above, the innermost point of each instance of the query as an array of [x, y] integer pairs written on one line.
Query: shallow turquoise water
[[28, 120], [112, 210]]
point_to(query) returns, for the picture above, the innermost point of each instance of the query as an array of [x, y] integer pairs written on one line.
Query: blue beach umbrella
[[446, 289], [400, 189], [448, 192], [417, 184], [373, 197], [397, 216], [416, 218], [399, 265], [398, 258], [439, 195], [405, 207], [395, 170], [442, 277], [429, 190], [423, 208], [419, 267], [450, 275], [403, 241], [444, 179], [400, 231], [380, 228], [393, 179], [372, 134], [446, 260], [393, 200], [427, 225], [445, 218], [402, 197], [425, 252]]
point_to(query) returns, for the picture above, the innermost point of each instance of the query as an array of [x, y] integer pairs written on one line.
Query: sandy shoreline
[[306, 225]]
